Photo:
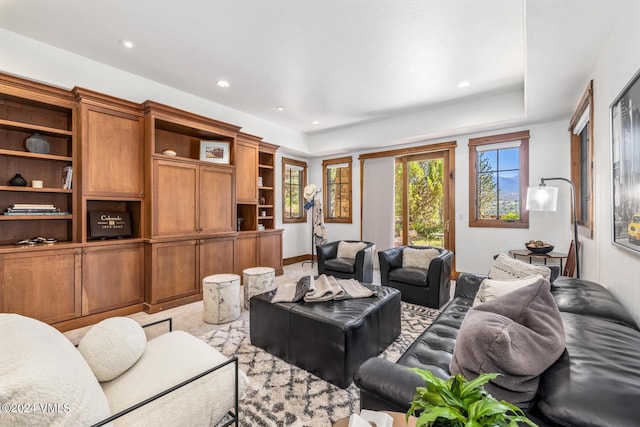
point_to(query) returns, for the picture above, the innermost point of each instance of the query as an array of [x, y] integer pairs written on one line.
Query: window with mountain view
[[498, 180]]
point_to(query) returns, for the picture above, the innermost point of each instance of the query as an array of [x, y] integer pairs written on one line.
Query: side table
[[220, 298], [257, 280], [560, 256]]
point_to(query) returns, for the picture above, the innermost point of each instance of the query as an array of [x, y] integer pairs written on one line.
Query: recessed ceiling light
[[315, 122], [464, 84], [127, 43], [222, 83], [280, 108]]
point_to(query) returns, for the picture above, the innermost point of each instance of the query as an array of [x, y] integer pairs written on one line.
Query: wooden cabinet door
[[245, 252], [246, 160], [112, 153], [216, 257], [112, 277], [44, 285], [175, 192], [216, 201], [174, 271], [270, 250]]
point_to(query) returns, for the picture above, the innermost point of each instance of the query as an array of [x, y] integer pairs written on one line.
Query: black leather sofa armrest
[[467, 284], [325, 252], [390, 259], [391, 386], [439, 277], [364, 264]]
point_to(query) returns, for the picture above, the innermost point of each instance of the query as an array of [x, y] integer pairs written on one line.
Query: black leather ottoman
[[329, 339]]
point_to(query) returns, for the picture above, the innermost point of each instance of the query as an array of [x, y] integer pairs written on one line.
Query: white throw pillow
[[491, 289], [506, 268], [40, 368], [113, 346], [350, 249], [421, 258]]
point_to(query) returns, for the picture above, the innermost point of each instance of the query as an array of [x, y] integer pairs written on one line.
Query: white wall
[[549, 156], [604, 263], [475, 246], [296, 237]]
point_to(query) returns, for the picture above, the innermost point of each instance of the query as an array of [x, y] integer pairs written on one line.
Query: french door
[[423, 196]]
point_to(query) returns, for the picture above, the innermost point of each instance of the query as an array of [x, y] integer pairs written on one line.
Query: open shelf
[[133, 207]]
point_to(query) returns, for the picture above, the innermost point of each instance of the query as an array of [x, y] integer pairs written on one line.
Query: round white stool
[[257, 280], [221, 298]]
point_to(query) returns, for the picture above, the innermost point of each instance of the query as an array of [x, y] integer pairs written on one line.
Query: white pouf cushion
[[169, 360], [40, 366], [421, 258], [112, 346]]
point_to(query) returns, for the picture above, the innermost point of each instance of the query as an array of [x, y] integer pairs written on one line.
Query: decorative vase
[[18, 181]]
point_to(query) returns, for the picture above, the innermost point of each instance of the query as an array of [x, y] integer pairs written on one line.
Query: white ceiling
[[339, 62]]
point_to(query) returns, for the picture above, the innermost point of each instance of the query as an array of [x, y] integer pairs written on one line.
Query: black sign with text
[[109, 224]]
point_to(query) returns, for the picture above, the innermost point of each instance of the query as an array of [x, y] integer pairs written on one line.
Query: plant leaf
[[477, 383]]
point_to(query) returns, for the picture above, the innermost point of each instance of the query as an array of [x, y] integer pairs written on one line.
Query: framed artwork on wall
[[625, 159], [214, 151]]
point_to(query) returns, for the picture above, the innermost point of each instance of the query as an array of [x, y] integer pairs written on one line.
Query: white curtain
[[378, 203]]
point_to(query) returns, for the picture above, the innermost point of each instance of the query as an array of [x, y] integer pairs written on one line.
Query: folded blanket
[[322, 288], [293, 291]]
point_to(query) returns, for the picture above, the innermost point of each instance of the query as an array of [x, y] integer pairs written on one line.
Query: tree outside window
[[499, 177], [337, 189], [294, 179]]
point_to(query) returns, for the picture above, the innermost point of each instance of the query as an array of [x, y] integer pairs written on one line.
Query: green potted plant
[[457, 402]]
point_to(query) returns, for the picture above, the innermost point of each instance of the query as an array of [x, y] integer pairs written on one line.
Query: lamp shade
[[542, 198]]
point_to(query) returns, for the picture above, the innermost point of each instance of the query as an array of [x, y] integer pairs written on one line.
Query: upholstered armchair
[[347, 259], [422, 274]]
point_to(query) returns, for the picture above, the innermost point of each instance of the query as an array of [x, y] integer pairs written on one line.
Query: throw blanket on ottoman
[[322, 288]]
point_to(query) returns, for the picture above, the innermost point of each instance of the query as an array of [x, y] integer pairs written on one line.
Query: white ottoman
[[221, 298], [257, 280]]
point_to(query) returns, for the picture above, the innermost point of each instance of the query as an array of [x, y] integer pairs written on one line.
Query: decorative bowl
[[539, 249], [37, 143]]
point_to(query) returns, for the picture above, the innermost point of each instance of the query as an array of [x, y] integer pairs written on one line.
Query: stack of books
[[33, 209]]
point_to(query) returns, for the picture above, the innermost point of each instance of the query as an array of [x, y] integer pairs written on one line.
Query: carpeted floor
[[280, 394]]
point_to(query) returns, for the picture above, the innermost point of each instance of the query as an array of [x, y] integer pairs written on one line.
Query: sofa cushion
[[350, 249], [413, 275], [518, 335], [506, 268], [596, 382], [112, 346], [346, 265], [40, 366], [588, 298], [167, 361], [421, 258], [491, 289]]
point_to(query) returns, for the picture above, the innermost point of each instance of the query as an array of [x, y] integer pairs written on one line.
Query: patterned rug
[[280, 394]]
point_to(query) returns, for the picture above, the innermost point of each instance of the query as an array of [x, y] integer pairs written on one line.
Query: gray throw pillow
[[518, 335]]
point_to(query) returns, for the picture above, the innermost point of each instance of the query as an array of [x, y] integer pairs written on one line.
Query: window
[[498, 180], [337, 189], [294, 179], [581, 130]]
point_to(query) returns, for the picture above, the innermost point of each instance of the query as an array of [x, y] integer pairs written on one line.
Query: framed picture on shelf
[[214, 151], [625, 158]]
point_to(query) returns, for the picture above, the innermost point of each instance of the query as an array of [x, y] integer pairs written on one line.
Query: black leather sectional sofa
[[596, 382]]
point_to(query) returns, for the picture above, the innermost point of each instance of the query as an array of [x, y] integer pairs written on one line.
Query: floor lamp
[[543, 198]]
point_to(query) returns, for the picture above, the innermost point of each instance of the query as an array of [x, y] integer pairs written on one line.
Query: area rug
[[280, 394]]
